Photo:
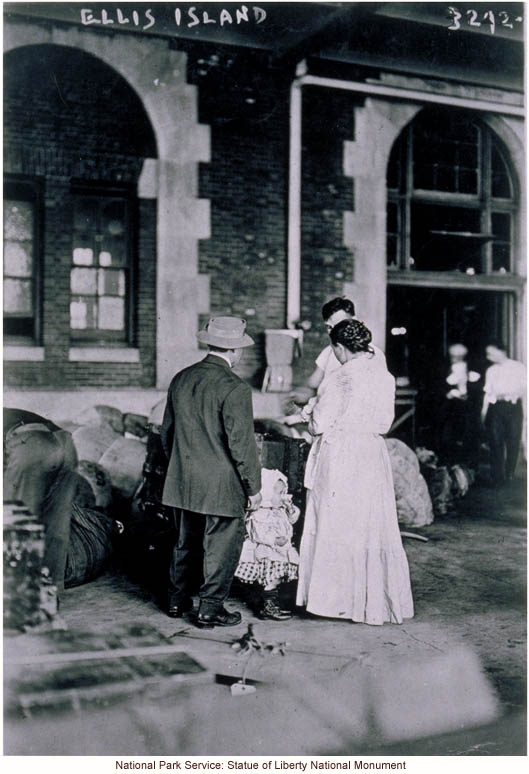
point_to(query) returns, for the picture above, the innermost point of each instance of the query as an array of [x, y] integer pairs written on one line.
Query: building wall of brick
[[326, 263], [247, 185], [68, 116], [78, 119]]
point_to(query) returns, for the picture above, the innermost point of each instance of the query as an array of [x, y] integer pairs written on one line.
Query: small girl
[[268, 556]]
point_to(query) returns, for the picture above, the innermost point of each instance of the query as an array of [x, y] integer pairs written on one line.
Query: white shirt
[[505, 381], [328, 362], [458, 379]]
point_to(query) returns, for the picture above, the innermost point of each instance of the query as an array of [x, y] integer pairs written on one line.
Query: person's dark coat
[[208, 436]]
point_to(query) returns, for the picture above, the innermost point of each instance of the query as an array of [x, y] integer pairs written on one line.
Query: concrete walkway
[[451, 681]]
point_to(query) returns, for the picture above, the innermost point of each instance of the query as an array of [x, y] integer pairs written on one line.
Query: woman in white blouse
[[352, 563]]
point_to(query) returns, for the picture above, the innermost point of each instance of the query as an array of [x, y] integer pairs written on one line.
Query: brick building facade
[[195, 141], [70, 121]]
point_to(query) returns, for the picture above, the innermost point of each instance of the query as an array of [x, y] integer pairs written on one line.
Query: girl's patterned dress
[[262, 559]]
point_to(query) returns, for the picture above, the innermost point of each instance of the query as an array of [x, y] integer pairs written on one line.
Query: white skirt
[[352, 563]]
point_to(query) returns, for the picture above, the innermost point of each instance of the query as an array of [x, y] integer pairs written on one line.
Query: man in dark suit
[[214, 473]]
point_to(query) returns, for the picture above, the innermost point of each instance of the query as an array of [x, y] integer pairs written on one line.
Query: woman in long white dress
[[352, 563]]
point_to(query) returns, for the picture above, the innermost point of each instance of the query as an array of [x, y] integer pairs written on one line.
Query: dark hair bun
[[353, 334]]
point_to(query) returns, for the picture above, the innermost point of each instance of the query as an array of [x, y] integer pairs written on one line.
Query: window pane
[[111, 313], [83, 313], [19, 327], [446, 153], [467, 155], [442, 144], [445, 179], [101, 245], [501, 226], [501, 186], [18, 220], [468, 181], [83, 281], [18, 261], [85, 214], [501, 248], [83, 256], [463, 129], [113, 252], [441, 238], [394, 165], [391, 247], [113, 242], [423, 176], [501, 257], [113, 217], [17, 297], [392, 218], [111, 283]]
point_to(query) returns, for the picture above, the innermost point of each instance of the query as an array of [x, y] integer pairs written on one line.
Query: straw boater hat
[[226, 333]]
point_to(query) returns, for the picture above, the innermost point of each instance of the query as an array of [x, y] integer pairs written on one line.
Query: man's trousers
[[39, 470], [504, 426], [214, 541]]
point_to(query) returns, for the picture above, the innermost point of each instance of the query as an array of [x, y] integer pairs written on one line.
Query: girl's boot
[[270, 608]]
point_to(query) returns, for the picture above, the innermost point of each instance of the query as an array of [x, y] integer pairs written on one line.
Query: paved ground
[[427, 687]]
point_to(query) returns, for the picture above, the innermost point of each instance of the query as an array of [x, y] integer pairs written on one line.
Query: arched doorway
[[451, 248]]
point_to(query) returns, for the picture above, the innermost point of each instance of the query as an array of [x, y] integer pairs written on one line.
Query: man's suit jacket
[[208, 436]]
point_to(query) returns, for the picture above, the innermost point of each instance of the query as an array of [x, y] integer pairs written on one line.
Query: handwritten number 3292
[[471, 18]]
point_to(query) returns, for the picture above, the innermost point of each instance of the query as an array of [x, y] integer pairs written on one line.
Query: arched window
[[451, 198]]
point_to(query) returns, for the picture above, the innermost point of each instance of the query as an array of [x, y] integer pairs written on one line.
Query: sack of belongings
[[445, 484], [92, 441], [135, 425], [91, 545], [99, 483], [414, 506], [111, 451], [102, 416], [123, 461]]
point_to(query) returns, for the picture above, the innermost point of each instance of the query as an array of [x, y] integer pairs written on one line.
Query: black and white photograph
[[264, 420]]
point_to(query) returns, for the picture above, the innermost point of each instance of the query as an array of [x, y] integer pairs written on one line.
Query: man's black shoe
[[221, 618], [177, 609]]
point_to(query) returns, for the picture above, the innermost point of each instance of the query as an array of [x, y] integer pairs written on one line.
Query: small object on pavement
[[249, 643], [241, 689], [414, 536]]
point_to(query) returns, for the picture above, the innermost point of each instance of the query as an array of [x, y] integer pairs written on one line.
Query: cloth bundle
[[90, 546]]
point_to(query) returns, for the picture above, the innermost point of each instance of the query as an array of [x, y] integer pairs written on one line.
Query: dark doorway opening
[[423, 322]]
